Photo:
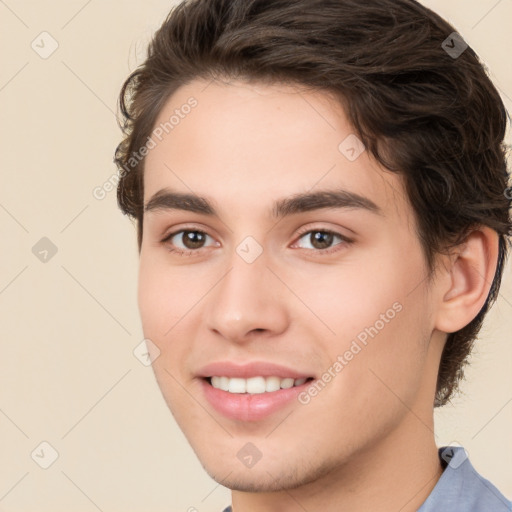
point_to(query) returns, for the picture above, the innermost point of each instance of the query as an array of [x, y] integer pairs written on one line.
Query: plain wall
[[69, 325]]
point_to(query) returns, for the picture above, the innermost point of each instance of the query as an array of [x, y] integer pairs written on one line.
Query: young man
[[320, 191]]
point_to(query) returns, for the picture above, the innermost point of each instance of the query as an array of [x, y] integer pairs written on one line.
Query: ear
[[466, 279]]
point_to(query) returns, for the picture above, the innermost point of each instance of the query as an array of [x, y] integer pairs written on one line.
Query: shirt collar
[[461, 488]]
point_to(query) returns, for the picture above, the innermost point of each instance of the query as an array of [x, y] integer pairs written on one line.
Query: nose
[[249, 299]]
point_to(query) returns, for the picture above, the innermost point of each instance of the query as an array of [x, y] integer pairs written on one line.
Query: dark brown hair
[[431, 115]]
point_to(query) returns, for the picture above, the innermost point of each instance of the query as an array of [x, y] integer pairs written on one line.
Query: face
[[254, 288]]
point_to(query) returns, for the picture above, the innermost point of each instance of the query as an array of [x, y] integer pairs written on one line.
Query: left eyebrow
[[165, 199], [323, 199]]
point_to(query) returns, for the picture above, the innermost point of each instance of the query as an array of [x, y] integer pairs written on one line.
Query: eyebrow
[[166, 199]]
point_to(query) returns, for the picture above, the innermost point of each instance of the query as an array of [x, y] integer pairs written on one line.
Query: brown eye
[[193, 239], [186, 240], [322, 240]]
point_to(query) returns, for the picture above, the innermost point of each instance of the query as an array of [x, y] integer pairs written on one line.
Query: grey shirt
[[461, 488]]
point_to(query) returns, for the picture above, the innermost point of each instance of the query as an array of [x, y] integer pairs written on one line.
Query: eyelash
[[305, 231]]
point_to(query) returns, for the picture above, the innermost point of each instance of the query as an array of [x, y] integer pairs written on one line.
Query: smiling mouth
[[254, 385]]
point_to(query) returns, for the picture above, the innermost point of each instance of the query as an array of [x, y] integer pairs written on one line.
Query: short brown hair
[[431, 116]]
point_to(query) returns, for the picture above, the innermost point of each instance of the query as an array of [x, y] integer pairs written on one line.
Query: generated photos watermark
[[356, 346]]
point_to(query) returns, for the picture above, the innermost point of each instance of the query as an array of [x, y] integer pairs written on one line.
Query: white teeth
[[224, 383], [287, 383], [272, 384], [254, 385], [237, 385], [220, 383]]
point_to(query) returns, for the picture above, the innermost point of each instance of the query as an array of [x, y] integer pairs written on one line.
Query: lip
[[250, 407], [246, 406], [247, 370]]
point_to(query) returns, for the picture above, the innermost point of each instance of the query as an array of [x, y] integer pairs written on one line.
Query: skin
[[366, 441]]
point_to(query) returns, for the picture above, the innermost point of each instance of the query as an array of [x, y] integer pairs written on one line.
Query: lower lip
[[250, 407]]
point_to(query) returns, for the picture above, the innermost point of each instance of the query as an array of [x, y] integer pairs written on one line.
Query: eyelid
[[194, 229], [309, 228], [303, 231], [345, 240], [184, 227]]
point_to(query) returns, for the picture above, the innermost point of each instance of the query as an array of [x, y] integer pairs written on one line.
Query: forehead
[[245, 144]]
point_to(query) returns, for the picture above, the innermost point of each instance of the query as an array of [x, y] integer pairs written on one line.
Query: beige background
[[69, 326]]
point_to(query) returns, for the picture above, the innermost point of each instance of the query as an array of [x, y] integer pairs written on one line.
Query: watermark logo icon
[[44, 455], [454, 454], [249, 455], [454, 45], [249, 249], [44, 45], [146, 352], [44, 250], [351, 147]]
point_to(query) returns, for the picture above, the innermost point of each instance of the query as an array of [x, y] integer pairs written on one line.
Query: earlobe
[[469, 278]]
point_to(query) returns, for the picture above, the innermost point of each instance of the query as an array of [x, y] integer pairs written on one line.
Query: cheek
[[156, 298], [148, 296], [160, 285], [377, 312], [161, 311], [168, 300], [387, 369], [347, 300]]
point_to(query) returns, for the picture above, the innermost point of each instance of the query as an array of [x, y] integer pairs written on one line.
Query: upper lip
[[247, 370]]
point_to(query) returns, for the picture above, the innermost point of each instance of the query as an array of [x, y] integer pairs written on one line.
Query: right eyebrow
[[164, 199]]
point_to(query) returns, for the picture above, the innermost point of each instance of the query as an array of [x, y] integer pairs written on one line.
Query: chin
[[265, 477], [260, 482]]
